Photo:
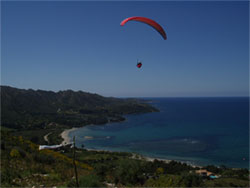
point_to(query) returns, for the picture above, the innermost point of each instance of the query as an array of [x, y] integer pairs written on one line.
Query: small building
[[204, 173]]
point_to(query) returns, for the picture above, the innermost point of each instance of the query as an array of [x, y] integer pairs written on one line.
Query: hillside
[[25, 109], [23, 165]]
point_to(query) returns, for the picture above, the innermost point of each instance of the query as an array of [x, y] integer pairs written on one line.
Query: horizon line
[[219, 96]]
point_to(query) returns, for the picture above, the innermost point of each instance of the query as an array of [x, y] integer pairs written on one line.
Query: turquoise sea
[[199, 131]]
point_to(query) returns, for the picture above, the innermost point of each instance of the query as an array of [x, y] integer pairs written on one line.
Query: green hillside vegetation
[[37, 135], [22, 164], [26, 109], [34, 114]]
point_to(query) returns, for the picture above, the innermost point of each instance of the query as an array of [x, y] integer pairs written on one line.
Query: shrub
[[55, 177], [41, 158], [7, 175], [21, 152], [128, 172], [35, 139], [159, 171], [90, 180], [15, 153]]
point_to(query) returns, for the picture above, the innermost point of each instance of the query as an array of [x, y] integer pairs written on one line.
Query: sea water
[[200, 131]]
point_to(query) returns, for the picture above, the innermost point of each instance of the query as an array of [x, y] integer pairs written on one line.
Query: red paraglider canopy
[[148, 21]]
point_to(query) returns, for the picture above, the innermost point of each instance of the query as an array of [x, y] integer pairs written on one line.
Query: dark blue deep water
[[200, 131]]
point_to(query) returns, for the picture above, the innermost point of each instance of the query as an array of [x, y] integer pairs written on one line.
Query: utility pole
[[74, 161]]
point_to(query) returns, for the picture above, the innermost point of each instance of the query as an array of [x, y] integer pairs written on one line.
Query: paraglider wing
[[148, 21]]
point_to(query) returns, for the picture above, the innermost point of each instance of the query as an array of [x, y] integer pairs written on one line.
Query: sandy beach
[[65, 136], [67, 140]]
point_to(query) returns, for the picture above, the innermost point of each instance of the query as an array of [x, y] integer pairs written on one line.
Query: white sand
[[65, 136]]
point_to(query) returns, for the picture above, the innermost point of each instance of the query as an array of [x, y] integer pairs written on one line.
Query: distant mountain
[[40, 109]]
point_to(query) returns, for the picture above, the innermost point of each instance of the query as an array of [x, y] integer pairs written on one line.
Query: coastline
[[67, 140], [65, 133], [65, 136]]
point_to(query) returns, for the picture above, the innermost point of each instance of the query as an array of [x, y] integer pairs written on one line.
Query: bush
[[129, 172], [55, 177], [15, 153], [90, 180], [41, 158], [21, 152], [192, 181], [159, 171], [165, 181], [35, 139]]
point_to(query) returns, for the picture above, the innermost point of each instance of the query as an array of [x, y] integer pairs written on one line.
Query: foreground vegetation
[[22, 164]]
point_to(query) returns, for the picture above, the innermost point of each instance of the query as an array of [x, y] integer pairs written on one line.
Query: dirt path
[[46, 137]]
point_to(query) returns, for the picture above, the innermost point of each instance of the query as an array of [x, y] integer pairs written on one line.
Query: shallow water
[[200, 131]]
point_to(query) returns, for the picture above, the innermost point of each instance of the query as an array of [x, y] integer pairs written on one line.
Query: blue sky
[[81, 46]]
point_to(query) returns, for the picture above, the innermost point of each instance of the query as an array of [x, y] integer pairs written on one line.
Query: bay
[[200, 131]]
